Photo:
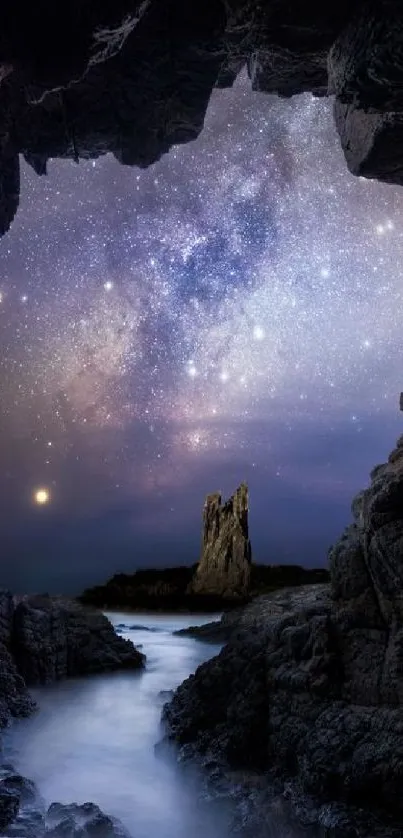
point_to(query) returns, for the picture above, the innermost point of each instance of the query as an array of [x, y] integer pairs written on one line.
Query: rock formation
[[44, 639], [225, 564], [134, 78], [54, 638], [309, 689], [28, 817], [14, 697]]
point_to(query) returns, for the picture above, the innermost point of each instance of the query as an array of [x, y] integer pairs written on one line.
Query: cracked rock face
[[309, 688], [14, 697], [44, 639], [135, 78], [225, 565], [23, 813], [56, 638]]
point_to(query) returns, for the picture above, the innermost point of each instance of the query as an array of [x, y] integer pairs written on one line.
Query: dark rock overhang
[[81, 79]]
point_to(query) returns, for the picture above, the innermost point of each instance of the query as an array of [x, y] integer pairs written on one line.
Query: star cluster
[[175, 330]]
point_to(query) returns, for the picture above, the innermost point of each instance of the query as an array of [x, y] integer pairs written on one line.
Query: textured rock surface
[[256, 613], [225, 564], [27, 816], [81, 821], [14, 697], [43, 639], [309, 689], [57, 638], [134, 78]]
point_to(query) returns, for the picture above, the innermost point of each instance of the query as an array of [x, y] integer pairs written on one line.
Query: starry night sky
[[232, 313]]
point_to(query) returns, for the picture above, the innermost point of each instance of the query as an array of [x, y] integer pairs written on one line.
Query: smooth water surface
[[93, 738]]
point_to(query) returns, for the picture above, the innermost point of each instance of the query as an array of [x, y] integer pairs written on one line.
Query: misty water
[[93, 738]]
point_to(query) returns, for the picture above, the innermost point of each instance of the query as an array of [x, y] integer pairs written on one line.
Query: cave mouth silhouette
[[134, 79]]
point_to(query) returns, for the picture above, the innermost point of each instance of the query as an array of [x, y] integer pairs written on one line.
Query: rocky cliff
[[44, 639], [309, 689], [14, 697], [54, 638], [134, 78], [225, 565]]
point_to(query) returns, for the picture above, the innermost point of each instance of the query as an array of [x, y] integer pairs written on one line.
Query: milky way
[[232, 312]]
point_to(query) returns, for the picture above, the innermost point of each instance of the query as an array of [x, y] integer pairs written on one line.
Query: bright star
[[258, 333], [108, 285], [41, 496]]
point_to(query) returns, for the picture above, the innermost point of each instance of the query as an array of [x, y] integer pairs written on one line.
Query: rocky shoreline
[[307, 693], [297, 721], [45, 639]]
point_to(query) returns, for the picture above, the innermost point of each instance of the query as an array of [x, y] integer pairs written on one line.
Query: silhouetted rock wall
[[135, 78], [54, 638], [44, 639]]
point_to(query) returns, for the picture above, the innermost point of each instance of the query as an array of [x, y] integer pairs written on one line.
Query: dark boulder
[[56, 638], [84, 820], [23, 814]]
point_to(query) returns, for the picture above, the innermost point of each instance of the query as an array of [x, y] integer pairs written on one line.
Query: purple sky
[[231, 313]]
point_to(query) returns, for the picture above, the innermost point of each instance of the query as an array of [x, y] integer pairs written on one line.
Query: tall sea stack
[[225, 564]]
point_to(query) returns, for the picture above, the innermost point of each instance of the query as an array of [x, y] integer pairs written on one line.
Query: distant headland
[[224, 577]]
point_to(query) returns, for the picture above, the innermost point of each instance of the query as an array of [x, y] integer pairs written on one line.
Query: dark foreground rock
[[15, 700], [44, 639], [54, 638], [81, 821], [256, 613], [27, 816], [135, 78], [308, 692]]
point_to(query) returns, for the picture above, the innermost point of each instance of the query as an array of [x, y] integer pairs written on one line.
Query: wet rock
[[225, 565], [9, 803], [23, 814], [81, 821], [215, 632], [28, 817], [54, 638]]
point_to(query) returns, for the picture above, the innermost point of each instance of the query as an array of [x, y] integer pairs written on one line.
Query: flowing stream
[[93, 738]]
